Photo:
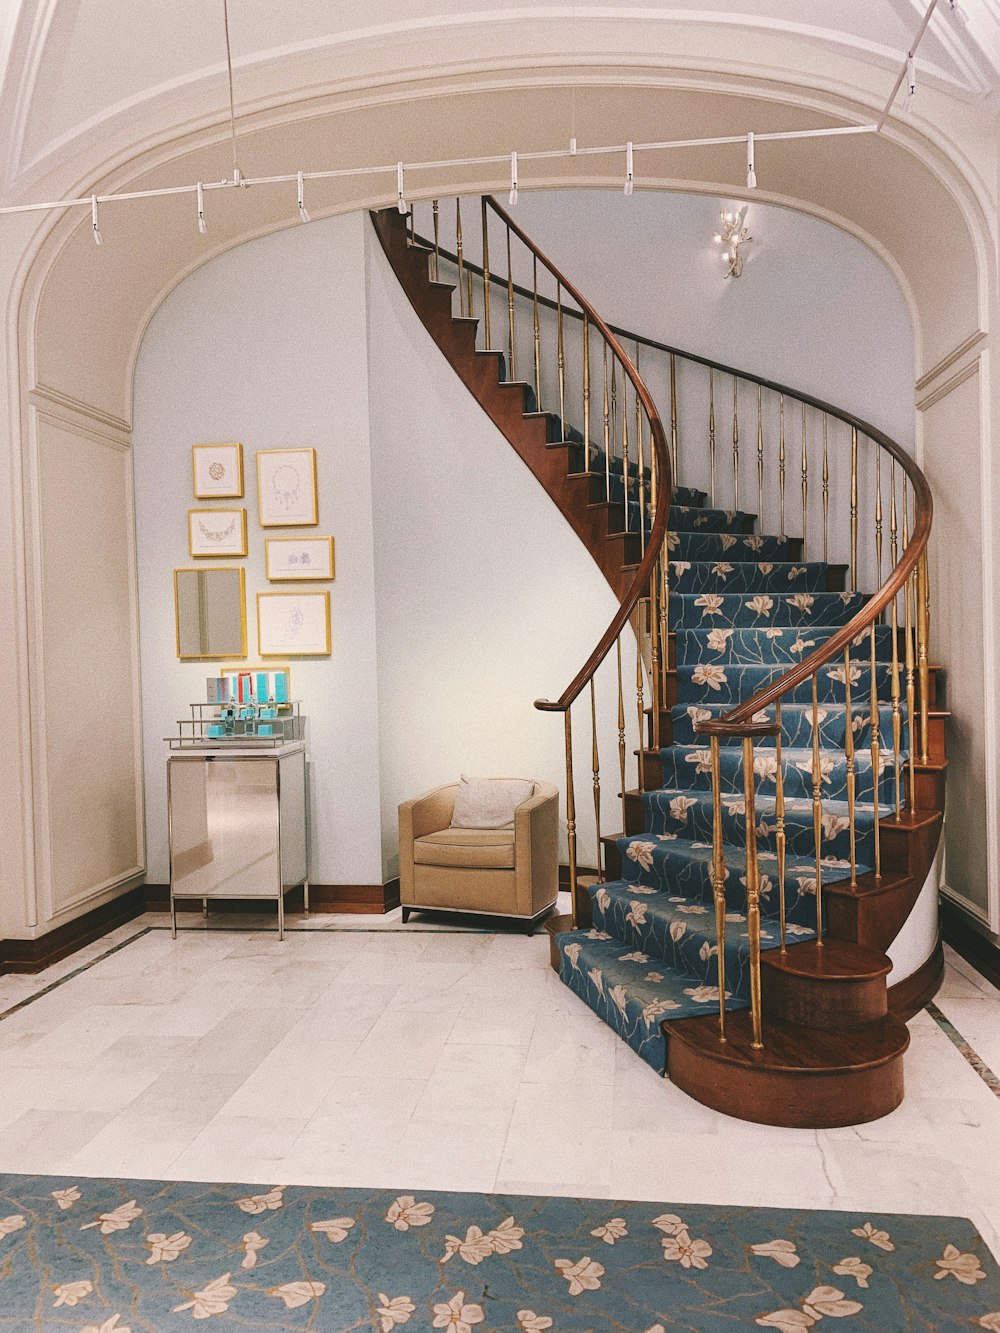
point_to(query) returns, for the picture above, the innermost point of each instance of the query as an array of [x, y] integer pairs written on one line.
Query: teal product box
[[265, 729], [216, 689], [246, 713], [268, 712], [280, 687], [262, 691], [215, 730]]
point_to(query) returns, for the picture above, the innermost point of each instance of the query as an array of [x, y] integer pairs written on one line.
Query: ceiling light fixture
[[95, 225], [401, 203], [629, 168], [202, 224], [751, 173], [300, 197], [512, 197]]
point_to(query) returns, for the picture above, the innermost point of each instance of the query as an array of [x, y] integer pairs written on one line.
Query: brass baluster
[[760, 462], [536, 336], [897, 721], [596, 763], [471, 310], [410, 234], [805, 482], [640, 702], [607, 432], [486, 275], [817, 800], [711, 425], [641, 464], [621, 728], [664, 623], [571, 818], [878, 513], [655, 667], [436, 209], [614, 400], [586, 387], [854, 509], [849, 754], [781, 465], [826, 492], [719, 881], [625, 458], [753, 892], [459, 253], [923, 634], [779, 816], [736, 447], [673, 417], [910, 654], [561, 359], [876, 744], [511, 339]]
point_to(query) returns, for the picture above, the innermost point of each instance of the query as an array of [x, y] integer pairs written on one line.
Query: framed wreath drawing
[[217, 470], [286, 488], [215, 532]]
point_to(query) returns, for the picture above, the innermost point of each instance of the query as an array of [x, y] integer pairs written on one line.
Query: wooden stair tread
[[789, 1049], [833, 960]]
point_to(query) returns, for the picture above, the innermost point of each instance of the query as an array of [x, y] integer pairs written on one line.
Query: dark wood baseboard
[[910, 995], [36, 955], [976, 948], [346, 899]]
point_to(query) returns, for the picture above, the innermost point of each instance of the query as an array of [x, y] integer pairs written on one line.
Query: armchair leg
[[406, 915]]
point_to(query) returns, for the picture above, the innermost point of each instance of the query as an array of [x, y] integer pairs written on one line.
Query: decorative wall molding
[[43, 395], [943, 390], [946, 362]]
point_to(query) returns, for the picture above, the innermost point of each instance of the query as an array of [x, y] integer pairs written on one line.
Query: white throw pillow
[[489, 802]]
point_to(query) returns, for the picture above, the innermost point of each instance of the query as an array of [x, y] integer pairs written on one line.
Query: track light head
[[512, 197], [911, 75], [751, 172], [401, 203], [95, 221], [629, 169], [202, 224], [301, 198]]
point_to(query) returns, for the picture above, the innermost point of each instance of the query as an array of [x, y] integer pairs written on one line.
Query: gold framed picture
[[217, 471], [286, 488], [215, 532], [298, 559], [293, 624], [210, 617]]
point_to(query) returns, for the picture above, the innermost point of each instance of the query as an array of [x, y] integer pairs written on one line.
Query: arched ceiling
[[81, 76]]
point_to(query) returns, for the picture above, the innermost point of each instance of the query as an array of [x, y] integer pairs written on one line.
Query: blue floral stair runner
[[141, 1256], [743, 609]]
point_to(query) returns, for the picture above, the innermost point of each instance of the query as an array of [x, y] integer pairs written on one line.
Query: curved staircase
[[785, 915]]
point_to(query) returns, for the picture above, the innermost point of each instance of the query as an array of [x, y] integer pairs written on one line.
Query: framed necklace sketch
[[298, 559], [217, 470], [293, 624], [286, 488], [215, 532]]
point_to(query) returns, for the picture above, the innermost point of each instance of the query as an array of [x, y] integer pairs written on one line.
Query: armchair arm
[[536, 849], [417, 817]]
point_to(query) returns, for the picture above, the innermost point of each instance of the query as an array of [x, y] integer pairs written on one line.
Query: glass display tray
[[239, 726]]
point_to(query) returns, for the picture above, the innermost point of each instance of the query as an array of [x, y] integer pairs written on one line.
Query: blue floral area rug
[[120, 1256]]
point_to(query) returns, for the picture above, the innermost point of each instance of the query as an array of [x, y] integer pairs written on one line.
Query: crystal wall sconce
[[733, 237]]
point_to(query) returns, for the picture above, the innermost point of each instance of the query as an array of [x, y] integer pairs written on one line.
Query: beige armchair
[[494, 872]]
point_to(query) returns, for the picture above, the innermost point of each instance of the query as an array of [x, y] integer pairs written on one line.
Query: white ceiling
[[69, 66]]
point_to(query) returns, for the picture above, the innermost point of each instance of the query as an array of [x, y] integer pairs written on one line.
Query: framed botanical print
[[217, 471], [215, 532], [298, 559], [286, 488], [293, 624]]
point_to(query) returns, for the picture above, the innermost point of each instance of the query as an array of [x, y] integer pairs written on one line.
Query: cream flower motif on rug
[[727, 541], [680, 1248], [707, 674], [297, 1294], [584, 1275], [603, 899], [710, 603], [707, 951], [119, 1219], [669, 1223], [765, 766], [853, 1267], [820, 1301], [802, 601], [251, 1244], [335, 1229], [641, 853], [795, 571], [657, 1008], [597, 977], [697, 714], [991, 1321], [839, 674], [634, 957], [405, 1212], [704, 994], [761, 605], [8, 1225], [965, 1267], [66, 1198], [573, 954], [636, 914], [677, 930], [612, 1230], [723, 569], [506, 1237], [834, 824], [718, 638], [71, 1293], [679, 807], [781, 1251], [109, 1326], [262, 1203], [702, 760], [680, 567], [692, 909], [765, 566], [598, 935], [212, 1299], [530, 1322], [807, 884], [476, 1247], [653, 976], [618, 996], [735, 805], [826, 767], [457, 1315], [393, 1311], [164, 1248]]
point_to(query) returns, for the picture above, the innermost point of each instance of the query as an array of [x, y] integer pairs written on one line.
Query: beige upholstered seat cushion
[[469, 848]]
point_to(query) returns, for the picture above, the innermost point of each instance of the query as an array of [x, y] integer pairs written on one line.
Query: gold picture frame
[[194, 603], [313, 562], [293, 624], [287, 491], [216, 539], [217, 471]]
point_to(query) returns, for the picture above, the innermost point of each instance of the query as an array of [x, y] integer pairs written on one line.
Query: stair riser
[[827, 1005], [779, 611], [722, 685], [796, 728], [694, 545], [698, 577], [748, 645], [677, 773]]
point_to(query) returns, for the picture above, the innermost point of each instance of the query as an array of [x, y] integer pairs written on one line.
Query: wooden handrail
[[640, 582]]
